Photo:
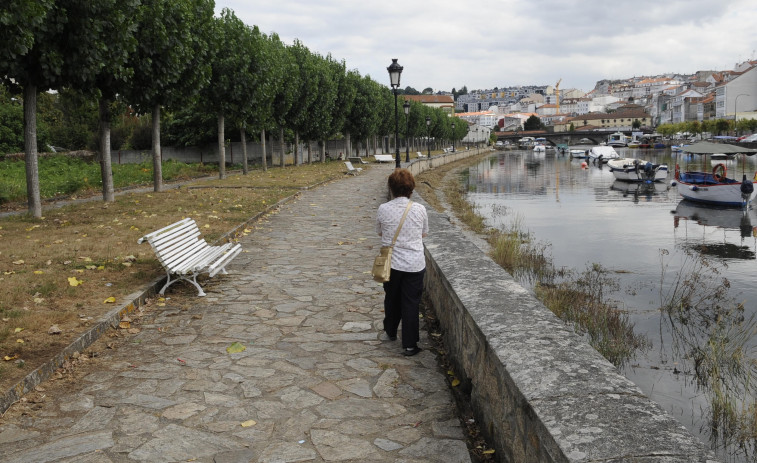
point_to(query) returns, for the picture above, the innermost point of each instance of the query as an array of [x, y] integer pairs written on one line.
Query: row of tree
[[175, 56], [713, 126]]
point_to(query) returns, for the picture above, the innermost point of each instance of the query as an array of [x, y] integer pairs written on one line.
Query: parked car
[[749, 139]]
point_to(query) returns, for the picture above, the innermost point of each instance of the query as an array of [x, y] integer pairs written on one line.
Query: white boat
[[617, 139], [637, 170], [602, 153], [540, 147], [579, 154], [526, 142], [714, 187]]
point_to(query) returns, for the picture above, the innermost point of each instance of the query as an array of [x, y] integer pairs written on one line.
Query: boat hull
[[635, 170], [701, 187]]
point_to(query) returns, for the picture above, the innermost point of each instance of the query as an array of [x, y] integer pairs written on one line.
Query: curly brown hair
[[401, 183]]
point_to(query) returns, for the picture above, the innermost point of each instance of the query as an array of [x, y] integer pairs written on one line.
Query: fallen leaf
[[54, 330], [8, 358], [109, 300], [455, 382], [18, 262], [488, 452], [248, 423], [20, 341], [39, 300], [124, 325], [235, 347], [72, 281], [38, 272], [18, 330]]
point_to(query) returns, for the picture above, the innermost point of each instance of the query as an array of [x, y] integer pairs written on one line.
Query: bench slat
[[200, 261], [178, 260]]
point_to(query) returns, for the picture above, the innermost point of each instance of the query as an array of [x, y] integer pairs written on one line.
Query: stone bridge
[[594, 137]]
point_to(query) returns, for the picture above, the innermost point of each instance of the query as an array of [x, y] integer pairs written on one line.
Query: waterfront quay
[[282, 363]]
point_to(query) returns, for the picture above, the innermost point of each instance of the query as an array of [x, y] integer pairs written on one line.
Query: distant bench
[[356, 160], [383, 157], [185, 255]]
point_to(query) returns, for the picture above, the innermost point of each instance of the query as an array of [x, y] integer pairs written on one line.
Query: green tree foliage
[[229, 64], [532, 123], [170, 62], [299, 118]]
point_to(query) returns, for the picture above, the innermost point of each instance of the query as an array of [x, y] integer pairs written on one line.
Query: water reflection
[[587, 216], [728, 220], [639, 191]]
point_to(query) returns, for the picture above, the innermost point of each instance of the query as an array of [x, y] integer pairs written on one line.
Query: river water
[[636, 231]]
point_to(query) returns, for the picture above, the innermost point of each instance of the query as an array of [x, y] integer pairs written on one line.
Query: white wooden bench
[[383, 157], [356, 160], [420, 155], [184, 254], [352, 169]]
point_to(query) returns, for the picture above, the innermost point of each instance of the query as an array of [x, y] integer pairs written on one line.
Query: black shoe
[[411, 351]]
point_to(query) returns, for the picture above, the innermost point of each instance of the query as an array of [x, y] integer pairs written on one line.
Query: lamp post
[[406, 107], [453, 136], [735, 112], [428, 138], [394, 78]]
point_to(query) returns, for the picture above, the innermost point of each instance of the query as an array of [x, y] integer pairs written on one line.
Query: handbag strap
[[397, 233]]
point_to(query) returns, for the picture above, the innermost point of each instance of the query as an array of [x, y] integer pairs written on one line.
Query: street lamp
[[428, 138], [406, 107], [453, 136], [735, 112], [394, 78]]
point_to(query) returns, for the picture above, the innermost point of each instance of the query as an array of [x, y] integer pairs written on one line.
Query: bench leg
[[193, 281]]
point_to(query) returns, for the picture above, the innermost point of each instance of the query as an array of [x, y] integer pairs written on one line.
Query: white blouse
[[407, 255]]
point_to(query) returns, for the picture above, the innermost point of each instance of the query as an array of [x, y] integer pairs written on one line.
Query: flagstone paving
[[313, 382]]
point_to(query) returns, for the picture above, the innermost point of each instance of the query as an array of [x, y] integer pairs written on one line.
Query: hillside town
[[612, 104]]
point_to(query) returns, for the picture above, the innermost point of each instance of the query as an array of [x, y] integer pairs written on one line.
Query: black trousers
[[401, 304]]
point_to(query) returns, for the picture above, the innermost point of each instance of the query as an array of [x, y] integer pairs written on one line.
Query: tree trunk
[[243, 137], [221, 150], [310, 156], [265, 157], [323, 151], [281, 142], [30, 151], [157, 156], [106, 171], [349, 145], [296, 161]]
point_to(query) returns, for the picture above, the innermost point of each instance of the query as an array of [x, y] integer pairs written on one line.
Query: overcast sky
[[445, 44]]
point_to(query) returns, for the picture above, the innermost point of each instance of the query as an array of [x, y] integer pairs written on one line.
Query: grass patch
[[96, 243], [62, 175]]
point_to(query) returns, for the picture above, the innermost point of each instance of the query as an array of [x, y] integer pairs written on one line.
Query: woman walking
[[403, 290]]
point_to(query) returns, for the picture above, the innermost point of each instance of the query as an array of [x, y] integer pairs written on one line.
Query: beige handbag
[[382, 264]]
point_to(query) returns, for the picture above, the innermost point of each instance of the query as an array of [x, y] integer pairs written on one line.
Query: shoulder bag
[[382, 264]]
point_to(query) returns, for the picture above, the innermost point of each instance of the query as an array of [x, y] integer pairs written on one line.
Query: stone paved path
[[313, 384]]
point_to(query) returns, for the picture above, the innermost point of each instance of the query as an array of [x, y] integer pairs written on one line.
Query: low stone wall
[[539, 392]]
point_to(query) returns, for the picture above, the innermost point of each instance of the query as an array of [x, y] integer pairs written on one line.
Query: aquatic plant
[[582, 299], [711, 335]]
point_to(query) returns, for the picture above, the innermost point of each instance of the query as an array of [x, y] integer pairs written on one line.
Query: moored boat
[[637, 170], [602, 153], [617, 139], [579, 153], [715, 187]]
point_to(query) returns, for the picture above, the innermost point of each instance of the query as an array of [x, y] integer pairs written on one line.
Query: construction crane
[[557, 94]]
